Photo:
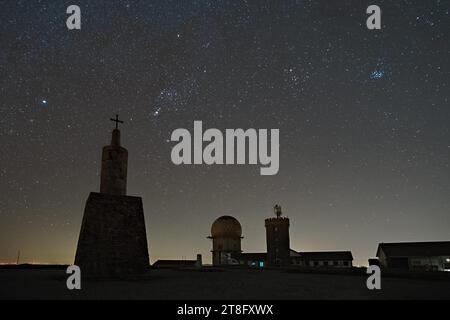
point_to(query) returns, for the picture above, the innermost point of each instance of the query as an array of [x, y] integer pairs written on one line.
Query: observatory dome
[[226, 226]]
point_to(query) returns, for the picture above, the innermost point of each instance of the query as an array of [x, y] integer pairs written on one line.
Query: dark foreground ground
[[216, 284]]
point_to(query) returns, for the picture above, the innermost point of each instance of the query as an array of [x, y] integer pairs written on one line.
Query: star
[[157, 112], [377, 74]]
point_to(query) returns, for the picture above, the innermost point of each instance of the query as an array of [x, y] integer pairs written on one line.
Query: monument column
[[114, 165], [113, 239]]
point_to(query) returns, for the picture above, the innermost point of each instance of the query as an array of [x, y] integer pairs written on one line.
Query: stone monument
[[113, 240]]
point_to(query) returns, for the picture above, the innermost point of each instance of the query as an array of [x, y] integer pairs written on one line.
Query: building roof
[[226, 226], [174, 263], [251, 256], [310, 256], [415, 249], [327, 255]]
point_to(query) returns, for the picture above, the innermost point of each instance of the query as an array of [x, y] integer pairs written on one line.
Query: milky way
[[363, 118]]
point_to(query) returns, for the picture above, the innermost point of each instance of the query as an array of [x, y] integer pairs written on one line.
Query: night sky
[[363, 118]]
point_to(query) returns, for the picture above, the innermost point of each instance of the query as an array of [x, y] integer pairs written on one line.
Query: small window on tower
[[276, 229]]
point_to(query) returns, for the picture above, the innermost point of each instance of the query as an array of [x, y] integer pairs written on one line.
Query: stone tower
[[226, 235], [277, 237], [113, 240], [114, 167]]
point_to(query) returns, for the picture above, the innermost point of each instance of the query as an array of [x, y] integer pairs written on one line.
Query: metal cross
[[117, 121]]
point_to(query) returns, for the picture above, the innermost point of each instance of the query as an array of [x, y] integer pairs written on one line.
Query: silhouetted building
[[418, 256], [168, 264], [277, 238], [113, 240], [251, 259], [339, 259], [279, 252], [226, 235]]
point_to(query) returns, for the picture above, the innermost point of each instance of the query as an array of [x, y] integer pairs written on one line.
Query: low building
[[338, 259], [417, 256], [162, 264], [253, 259]]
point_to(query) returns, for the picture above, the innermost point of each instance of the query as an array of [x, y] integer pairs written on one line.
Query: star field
[[363, 118]]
